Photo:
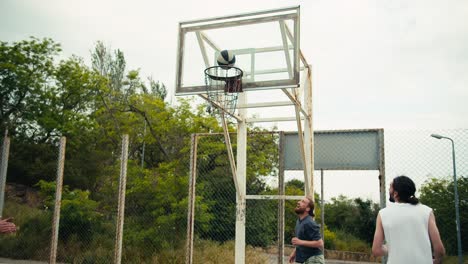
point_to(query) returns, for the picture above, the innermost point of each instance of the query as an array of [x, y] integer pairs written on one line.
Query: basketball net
[[223, 85]]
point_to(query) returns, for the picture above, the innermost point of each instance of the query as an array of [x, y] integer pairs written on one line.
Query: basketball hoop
[[223, 84]]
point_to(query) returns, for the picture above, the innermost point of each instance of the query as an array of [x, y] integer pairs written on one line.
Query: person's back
[[406, 232], [408, 228]]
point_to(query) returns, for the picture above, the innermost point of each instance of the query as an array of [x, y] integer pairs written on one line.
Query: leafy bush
[[330, 239], [354, 216], [343, 241], [78, 214], [348, 242]]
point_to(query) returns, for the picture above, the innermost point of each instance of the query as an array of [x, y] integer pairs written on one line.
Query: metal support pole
[[457, 213], [455, 187], [309, 132], [3, 170], [382, 180], [121, 206], [58, 201], [241, 174], [232, 161], [322, 211], [281, 201], [191, 201]]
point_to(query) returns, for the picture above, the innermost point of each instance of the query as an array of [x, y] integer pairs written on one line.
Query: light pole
[[457, 215]]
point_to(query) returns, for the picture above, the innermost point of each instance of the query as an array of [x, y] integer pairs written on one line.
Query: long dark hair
[[311, 206], [406, 189]]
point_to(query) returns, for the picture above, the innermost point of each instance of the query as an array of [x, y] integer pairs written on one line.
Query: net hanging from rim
[[223, 85]]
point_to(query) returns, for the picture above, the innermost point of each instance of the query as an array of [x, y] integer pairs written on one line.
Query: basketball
[[226, 58]]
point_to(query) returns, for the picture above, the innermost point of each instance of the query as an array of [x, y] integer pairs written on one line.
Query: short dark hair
[[406, 189], [311, 205]]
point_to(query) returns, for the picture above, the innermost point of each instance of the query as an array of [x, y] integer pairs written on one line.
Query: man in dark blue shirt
[[308, 241]]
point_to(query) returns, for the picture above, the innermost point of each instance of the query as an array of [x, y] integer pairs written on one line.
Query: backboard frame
[[268, 16]]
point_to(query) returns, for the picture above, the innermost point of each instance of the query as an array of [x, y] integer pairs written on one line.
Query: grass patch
[[20, 212], [454, 259], [32, 238], [210, 252], [342, 241]]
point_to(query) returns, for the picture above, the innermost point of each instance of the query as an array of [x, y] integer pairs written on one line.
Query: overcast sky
[[393, 64], [376, 64]]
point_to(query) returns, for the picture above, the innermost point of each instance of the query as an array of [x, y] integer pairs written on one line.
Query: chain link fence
[[413, 153], [157, 200], [429, 162]]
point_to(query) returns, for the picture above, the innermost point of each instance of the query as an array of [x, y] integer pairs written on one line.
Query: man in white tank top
[[408, 227]]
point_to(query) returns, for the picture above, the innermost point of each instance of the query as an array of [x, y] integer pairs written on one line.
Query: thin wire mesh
[[413, 153], [23, 203], [223, 84], [429, 162], [155, 223], [215, 202], [215, 212]]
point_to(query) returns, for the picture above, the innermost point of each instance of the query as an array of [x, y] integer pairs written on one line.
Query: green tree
[[155, 88], [110, 64], [41, 101], [438, 193], [366, 219], [128, 105], [25, 70], [353, 216]]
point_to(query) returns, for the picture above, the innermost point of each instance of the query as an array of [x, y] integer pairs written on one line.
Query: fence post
[[58, 201], [191, 200], [382, 180], [121, 206], [3, 170]]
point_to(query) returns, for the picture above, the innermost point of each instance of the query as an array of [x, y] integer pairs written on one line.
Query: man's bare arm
[[6, 226], [307, 243], [292, 257], [439, 250], [378, 248]]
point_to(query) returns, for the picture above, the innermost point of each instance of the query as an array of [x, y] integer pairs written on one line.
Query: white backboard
[[266, 45]]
